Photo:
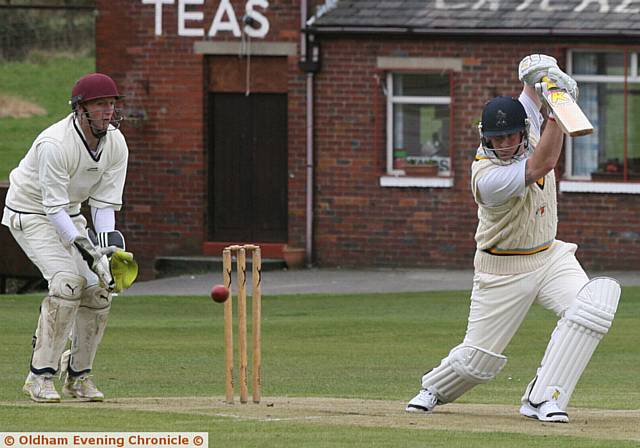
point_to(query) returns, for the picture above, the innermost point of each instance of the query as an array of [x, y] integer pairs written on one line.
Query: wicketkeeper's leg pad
[[465, 367], [57, 313], [574, 341], [88, 329]]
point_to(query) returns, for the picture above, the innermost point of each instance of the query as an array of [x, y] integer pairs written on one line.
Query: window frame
[[632, 76], [392, 99]]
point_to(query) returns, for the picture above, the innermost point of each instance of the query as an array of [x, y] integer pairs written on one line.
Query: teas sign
[[191, 19]]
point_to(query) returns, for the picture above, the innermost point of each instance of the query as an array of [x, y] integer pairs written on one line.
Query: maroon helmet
[[91, 87]]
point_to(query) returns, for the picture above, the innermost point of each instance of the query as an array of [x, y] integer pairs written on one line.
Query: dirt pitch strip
[[587, 423]]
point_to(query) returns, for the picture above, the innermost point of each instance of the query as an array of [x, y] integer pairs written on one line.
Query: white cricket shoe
[[423, 403], [82, 387], [41, 389], [548, 411]]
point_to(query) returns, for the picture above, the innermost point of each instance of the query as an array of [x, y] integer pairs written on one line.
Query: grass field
[[338, 371], [45, 80]]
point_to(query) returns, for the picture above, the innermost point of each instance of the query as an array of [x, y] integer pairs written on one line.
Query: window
[[418, 124], [612, 152]]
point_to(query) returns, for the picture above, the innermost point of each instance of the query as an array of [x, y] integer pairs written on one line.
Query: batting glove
[[97, 259], [557, 81], [564, 81], [533, 67]]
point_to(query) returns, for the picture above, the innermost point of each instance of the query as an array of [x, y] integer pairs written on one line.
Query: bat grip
[[550, 84]]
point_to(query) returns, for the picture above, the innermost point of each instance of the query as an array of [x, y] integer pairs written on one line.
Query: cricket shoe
[[82, 387], [41, 389], [547, 411], [422, 403]]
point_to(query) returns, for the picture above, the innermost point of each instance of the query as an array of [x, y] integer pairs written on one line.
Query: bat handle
[[550, 84]]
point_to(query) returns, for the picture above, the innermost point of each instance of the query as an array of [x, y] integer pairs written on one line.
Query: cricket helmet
[[91, 87], [504, 115]]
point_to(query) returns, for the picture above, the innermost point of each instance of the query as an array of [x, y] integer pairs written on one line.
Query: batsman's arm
[[546, 155]]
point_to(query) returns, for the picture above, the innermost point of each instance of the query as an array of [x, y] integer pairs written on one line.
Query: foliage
[[25, 30]]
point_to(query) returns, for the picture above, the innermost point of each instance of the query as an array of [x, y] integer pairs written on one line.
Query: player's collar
[[95, 155]]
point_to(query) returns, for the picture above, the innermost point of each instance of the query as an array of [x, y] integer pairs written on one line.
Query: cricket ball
[[219, 293]]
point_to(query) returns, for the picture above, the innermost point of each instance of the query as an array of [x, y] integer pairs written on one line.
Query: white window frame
[[398, 176], [584, 184]]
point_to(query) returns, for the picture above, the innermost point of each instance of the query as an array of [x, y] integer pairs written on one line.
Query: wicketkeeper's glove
[[108, 239], [97, 259], [123, 266], [124, 269]]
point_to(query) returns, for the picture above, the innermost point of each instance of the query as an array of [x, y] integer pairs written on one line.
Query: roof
[[509, 17]]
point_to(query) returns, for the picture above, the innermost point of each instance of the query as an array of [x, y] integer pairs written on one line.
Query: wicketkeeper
[[519, 261], [80, 158]]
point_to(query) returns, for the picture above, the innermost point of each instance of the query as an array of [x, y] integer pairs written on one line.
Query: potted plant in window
[[609, 171], [399, 158]]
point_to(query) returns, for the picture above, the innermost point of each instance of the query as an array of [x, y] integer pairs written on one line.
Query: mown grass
[[358, 346], [42, 79]]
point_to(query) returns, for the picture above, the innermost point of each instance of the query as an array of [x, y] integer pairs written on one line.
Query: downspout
[[309, 139], [310, 185]]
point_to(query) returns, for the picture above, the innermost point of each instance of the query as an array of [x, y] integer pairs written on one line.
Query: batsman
[[81, 158], [519, 261]]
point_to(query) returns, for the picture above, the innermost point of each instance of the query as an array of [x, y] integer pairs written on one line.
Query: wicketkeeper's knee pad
[[90, 323], [465, 367], [66, 286], [95, 297], [574, 341], [57, 314]]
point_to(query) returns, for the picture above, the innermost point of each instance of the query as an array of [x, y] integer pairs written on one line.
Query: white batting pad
[[56, 318], [90, 323], [574, 341], [465, 367]]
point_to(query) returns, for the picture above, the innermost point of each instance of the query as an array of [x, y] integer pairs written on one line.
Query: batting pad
[[465, 367], [574, 341], [57, 313], [88, 331], [124, 269]]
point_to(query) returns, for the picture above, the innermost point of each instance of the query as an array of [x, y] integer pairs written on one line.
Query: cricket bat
[[568, 114]]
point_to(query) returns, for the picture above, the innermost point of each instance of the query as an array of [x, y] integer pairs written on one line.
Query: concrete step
[[171, 266]]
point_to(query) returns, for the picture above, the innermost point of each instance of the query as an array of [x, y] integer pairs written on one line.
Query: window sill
[[568, 186], [416, 182]]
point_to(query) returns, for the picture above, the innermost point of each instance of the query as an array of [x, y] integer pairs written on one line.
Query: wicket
[[241, 274]]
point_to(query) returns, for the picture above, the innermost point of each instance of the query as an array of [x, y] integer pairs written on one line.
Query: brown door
[[248, 167]]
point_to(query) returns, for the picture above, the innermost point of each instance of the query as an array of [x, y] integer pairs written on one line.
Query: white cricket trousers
[[40, 241], [499, 303]]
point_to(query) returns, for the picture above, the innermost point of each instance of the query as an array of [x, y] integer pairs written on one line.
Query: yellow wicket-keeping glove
[[124, 269]]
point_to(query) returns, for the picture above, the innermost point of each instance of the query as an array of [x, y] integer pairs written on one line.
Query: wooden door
[[248, 167]]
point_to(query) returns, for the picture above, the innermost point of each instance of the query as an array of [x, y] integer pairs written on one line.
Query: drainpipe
[[310, 186], [309, 134]]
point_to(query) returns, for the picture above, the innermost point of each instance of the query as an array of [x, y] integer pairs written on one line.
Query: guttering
[[540, 32]]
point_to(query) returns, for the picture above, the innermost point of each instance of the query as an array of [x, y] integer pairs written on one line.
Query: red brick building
[[314, 124]]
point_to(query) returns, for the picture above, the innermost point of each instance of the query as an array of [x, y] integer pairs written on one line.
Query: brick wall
[[360, 223]]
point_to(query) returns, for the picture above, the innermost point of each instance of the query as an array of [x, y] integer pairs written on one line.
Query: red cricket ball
[[219, 293]]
